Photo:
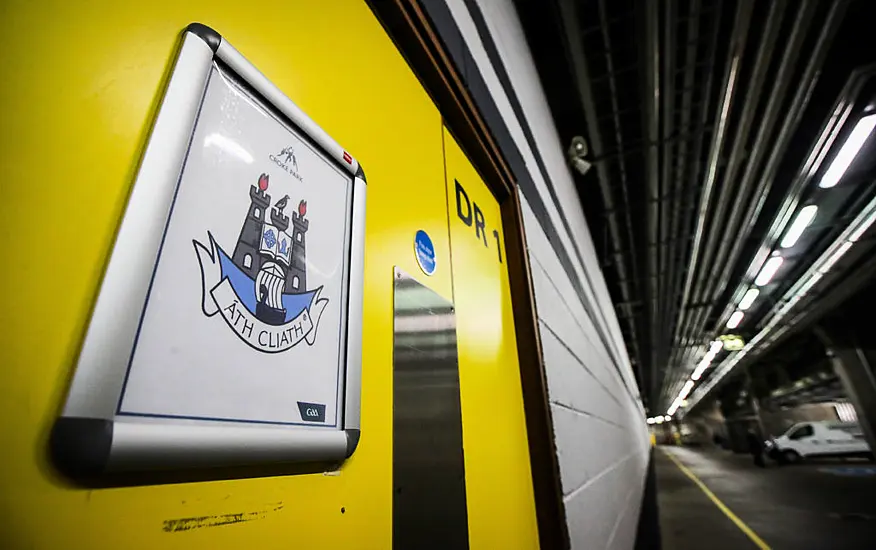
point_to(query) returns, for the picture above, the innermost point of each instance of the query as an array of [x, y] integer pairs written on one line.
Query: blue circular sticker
[[425, 252]]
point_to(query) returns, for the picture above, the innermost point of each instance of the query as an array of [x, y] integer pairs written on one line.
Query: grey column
[[855, 370]]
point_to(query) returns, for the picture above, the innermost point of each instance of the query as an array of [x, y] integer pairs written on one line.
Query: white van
[[822, 438]]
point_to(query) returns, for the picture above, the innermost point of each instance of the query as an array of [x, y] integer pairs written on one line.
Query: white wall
[[601, 436]]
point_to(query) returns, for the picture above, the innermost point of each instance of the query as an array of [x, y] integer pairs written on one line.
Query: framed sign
[[227, 330]]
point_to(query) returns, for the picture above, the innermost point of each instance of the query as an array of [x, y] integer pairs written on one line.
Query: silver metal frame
[[91, 438]]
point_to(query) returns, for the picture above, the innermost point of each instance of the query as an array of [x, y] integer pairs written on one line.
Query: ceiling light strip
[[798, 226], [750, 296], [768, 271], [794, 295], [848, 152]]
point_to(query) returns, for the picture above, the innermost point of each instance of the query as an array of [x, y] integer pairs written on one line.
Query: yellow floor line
[[721, 506]]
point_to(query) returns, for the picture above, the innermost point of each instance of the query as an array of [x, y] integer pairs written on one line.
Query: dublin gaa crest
[[261, 289]]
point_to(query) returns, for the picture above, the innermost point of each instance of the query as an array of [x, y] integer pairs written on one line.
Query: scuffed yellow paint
[[187, 524]]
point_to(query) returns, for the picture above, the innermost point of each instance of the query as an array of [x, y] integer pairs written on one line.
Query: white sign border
[[90, 438]]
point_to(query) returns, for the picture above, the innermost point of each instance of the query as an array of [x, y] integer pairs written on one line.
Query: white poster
[[244, 319]]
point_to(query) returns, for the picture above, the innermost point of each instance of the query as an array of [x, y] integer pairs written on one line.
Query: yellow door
[[501, 509], [81, 83]]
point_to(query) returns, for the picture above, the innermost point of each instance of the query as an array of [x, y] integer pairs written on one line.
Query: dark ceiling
[[706, 122]]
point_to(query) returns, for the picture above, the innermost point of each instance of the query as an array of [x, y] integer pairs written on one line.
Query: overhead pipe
[[678, 228], [731, 78], [790, 122], [730, 186], [792, 118], [616, 116], [758, 151], [690, 62], [734, 163], [731, 75], [652, 173], [787, 64], [611, 75], [569, 21], [666, 183], [693, 176]]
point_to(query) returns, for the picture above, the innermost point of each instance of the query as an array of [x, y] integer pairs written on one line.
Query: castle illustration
[[272, 252]]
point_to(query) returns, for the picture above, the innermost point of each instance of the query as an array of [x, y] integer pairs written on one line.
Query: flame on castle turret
[[302, 208], [263, 182]]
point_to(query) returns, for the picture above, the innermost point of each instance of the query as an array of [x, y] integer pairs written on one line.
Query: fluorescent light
[[748, 299], [659, 420], [800, 223], [650, 421], [735, 319], [685, 390], [667, 418], [865, 225], [768, 270], [714, 349], [711, 354], [835, 257], [848, 152]]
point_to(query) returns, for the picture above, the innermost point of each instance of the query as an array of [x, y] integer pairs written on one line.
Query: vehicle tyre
[[790, 456]]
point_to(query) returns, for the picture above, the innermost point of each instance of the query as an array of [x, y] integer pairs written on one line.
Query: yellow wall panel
[[81, 81], [501, 508]]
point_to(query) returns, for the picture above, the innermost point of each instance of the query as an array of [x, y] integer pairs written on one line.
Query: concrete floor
[[827, 504]]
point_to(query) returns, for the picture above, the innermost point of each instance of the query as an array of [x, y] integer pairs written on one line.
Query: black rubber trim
[[205, 33], [352, 441], [80, 447], [360, 173]]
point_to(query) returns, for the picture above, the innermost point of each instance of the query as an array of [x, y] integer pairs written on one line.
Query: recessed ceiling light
[[801, 222], [848, 152], [749, 298], [735, 319], [768, 270]]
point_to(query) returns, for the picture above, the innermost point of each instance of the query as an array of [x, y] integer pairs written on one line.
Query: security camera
[[577, 153]]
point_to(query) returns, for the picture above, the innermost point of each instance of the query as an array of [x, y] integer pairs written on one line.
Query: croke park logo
[[287, 161]]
